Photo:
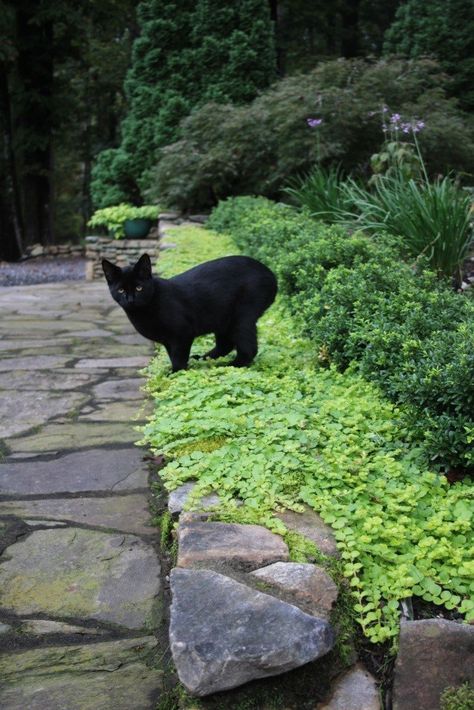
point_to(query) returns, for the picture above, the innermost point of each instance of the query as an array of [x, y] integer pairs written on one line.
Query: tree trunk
[[277, 17], [86, 202], [32, 118], [350, 29], [12, 222]]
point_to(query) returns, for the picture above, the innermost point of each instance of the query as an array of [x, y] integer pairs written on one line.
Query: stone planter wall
[[122, 252], [37, 250]]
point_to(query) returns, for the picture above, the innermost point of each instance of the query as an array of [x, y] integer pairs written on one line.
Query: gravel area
[[42, 270]]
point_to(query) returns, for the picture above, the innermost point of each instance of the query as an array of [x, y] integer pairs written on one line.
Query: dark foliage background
[[110, 83], [61, 100], [441, 29]]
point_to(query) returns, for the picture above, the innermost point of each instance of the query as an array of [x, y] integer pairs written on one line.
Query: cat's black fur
[[224, 296]]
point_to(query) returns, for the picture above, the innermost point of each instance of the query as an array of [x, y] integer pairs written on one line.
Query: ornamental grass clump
[[432, 218], [320, 193]]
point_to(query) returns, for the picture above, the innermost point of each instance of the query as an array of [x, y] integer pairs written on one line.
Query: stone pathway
[[79, 571]]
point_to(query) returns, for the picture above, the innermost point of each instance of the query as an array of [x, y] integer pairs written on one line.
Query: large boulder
[[223, 633], [434, 654]]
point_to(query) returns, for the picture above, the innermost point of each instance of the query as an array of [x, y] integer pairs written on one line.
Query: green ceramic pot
[[137, 228]]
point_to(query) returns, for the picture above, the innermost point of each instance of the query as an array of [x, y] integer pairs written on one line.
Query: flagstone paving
[[79, 563]]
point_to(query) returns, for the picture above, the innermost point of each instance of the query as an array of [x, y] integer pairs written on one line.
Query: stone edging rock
[[235, 596], [434, 654], [240, 609]]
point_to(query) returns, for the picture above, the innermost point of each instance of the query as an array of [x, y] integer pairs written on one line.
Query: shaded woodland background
[[104, 87]]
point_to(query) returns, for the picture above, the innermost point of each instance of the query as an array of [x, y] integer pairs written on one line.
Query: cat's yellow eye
[[138, 288], [121, 290]]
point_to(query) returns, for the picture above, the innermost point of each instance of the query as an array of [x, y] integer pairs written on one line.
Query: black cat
[[224, 296]]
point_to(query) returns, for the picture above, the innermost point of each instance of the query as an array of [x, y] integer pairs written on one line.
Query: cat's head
[[131, 287]]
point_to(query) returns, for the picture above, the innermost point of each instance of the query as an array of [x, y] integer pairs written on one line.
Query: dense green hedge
[[366, 309]]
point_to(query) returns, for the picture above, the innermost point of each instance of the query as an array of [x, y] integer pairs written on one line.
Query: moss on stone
[[76, 435]]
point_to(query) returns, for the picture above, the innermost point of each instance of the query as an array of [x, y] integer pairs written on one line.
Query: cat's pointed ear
[[143, 267], [111, 271]]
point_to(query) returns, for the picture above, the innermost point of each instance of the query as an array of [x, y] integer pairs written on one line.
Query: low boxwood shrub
[[363, 307], [284, 433]]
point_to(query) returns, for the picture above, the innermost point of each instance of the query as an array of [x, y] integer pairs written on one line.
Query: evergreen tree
[[443, 29], [187, 53]]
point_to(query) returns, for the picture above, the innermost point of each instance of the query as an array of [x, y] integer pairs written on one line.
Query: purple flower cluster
[[414, 127], [405, 126], [396, 122], [314, 122]]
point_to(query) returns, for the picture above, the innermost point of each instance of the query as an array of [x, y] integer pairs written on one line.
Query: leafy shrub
[[282, 433], [411, 336], [255, 149], [112, 179], [364, 308], [114, 218]]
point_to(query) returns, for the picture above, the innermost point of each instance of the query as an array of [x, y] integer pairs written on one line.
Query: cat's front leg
[[179, 355]]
